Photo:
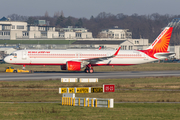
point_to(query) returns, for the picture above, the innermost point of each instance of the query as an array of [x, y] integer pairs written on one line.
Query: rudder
[[162, 41]]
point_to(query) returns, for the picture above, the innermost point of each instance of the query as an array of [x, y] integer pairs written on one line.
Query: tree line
[[141, 26]]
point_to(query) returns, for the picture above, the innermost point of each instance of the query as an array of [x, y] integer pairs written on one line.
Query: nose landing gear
[[24, 67]]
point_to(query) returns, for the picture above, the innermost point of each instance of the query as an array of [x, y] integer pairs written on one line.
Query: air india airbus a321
[[76, 59]]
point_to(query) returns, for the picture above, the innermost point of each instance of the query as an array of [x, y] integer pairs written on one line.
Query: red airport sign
[[108, 88]]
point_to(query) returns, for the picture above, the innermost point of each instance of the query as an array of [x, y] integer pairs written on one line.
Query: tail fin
[[162, 41]]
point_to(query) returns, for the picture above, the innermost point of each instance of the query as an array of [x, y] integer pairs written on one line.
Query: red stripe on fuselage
[[65, 64]]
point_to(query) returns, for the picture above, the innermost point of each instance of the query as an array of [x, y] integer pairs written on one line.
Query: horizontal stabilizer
[[163, 55]]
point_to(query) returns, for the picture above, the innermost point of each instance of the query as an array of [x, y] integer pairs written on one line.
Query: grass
[[127, 90], [52, 95], [37, 41], [141, 67], [121, 83], [125, 111]]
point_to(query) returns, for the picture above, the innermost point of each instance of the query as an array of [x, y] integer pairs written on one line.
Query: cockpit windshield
[[12, 54]]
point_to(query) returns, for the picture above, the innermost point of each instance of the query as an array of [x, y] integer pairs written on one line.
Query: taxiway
[[100, 75]]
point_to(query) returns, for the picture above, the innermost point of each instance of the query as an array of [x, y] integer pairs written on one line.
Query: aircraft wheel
[[91, 70], [87, 71]]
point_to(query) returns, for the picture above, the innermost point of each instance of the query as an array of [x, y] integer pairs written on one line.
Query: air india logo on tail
[[159, 37], [160, 44]]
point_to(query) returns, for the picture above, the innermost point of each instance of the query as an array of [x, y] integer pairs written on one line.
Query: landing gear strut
[[89, 69], [24, 67]]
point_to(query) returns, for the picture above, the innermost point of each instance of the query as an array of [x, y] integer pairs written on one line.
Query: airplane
[[77, 59]]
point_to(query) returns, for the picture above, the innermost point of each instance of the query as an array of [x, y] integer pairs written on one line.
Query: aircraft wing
[[101, 58]]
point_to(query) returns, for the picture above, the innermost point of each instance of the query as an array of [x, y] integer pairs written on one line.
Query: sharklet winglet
[[117, 51]]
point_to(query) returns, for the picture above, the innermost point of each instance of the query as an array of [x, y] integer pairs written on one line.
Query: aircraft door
[[24, 55], [78, 55]]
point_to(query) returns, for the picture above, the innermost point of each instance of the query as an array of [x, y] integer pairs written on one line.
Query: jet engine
[[72, 66]]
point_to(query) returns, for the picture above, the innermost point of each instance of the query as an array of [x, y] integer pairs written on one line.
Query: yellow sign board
[[82, 90], [71, 90], [96, 89], [63, 90]]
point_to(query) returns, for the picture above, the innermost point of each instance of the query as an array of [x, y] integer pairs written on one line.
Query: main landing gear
[[89, 69]]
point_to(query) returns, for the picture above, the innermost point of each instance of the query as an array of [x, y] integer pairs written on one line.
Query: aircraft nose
[[7, 59]]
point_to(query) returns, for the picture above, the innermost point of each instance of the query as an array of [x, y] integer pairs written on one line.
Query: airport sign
[[82, 90], [109, 88], [71, 90], [96, 89], [62, 90], [105, 88]]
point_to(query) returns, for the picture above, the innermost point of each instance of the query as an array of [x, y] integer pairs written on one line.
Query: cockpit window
[[15, 55], [12, 54]]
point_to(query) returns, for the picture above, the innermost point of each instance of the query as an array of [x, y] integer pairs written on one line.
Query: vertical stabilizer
[[162, 41]]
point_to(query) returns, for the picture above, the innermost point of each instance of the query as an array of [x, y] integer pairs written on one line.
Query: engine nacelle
[[72, 66]]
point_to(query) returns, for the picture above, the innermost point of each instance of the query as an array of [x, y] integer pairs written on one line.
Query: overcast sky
[[87, 8]]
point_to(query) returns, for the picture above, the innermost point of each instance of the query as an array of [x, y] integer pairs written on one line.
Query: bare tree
[[16, 17], [56, 14], [46, 14], [62, 13]]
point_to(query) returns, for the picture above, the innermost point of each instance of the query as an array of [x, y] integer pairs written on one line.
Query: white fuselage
[[60, 57]]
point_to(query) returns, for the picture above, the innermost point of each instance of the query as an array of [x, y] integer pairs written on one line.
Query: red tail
[[161, 43]]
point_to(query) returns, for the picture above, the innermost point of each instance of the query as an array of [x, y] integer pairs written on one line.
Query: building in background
[[115, 33], [39, 32], [74, 33], [123, 34], [16, 30], [113, 44], [40, 22], [10, 30], [139, 44], [107, 38]]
